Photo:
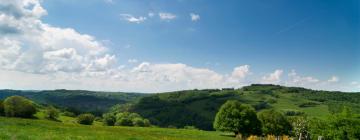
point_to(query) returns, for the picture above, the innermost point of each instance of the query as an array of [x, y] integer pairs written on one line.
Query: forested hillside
[[198, 107], [77, 101]]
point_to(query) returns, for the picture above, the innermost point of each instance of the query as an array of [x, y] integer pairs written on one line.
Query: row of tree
[[243, 120]]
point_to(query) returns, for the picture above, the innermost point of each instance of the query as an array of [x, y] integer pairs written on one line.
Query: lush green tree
[[300, 127], [17, 106], [86, 119], [109, 119], [52, 113], [1, 108], [238, 118], [344, 126], [274, 123]]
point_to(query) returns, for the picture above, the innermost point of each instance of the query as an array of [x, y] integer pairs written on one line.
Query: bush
[[123, 122], [86, 119], [129, 119], [290, 112], [52, 113], [69, 114], [109, 119], [17, 106]]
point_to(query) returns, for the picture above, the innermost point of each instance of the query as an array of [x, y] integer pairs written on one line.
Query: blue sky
[[317, 40]]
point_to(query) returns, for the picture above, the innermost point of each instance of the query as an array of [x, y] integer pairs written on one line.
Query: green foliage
[[238, 118], [300, 125], [131, 119], [76, 101], [68, 113], [17, 106], [86, 119], [52, 113], [2, 113], [292, 112], [109, 119], [274, 123], [344, 126]]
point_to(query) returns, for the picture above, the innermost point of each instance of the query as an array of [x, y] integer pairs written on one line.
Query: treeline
[[243, 121]]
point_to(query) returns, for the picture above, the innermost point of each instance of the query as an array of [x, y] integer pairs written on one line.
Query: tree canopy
[[274, 123], [238, 118], [17, 106]]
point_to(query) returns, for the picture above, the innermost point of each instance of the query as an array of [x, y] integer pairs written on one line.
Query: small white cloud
[[333, 79], [273, 78], [151, 14], [194, 17], [133, 19], [296, 80], [354, 83], [167, 16], [133, 61]]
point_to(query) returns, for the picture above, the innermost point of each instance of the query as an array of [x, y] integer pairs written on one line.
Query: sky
[[168, 45]]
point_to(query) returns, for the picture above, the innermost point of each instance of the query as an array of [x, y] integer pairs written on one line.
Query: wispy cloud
[[167, 16], [133, 19]]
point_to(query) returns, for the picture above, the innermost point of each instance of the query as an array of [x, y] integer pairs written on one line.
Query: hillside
[[76, 100], [198, 107], [30, 129]]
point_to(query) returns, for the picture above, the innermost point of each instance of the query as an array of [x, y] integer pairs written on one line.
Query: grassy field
[[34, 129]]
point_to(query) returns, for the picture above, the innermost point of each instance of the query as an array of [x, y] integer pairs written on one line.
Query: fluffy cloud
[[133, 19], [167, 16], [29, 45], [194, 17], [273, 78], [296, 80]]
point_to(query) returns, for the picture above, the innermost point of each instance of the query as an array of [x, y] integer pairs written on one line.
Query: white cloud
[[240, 72], [167, 16], [133, 19], [273, 78], [194, 17], [296, 80], [151, 14]]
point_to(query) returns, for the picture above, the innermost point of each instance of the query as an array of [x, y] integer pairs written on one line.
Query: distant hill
[[198, 107], [77, 101]]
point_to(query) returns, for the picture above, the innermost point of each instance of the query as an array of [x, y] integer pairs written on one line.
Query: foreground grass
[[30, 129]]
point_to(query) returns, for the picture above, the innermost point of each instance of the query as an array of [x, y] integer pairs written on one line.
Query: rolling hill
[[77, 101], [197, 107]]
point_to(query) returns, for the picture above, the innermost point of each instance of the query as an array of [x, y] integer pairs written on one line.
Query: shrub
[[86, 119], [52, 113], [290, 112], [123, 122], [109, 119], [69, 114], [17, 106], [308, 104], [129, 119]]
